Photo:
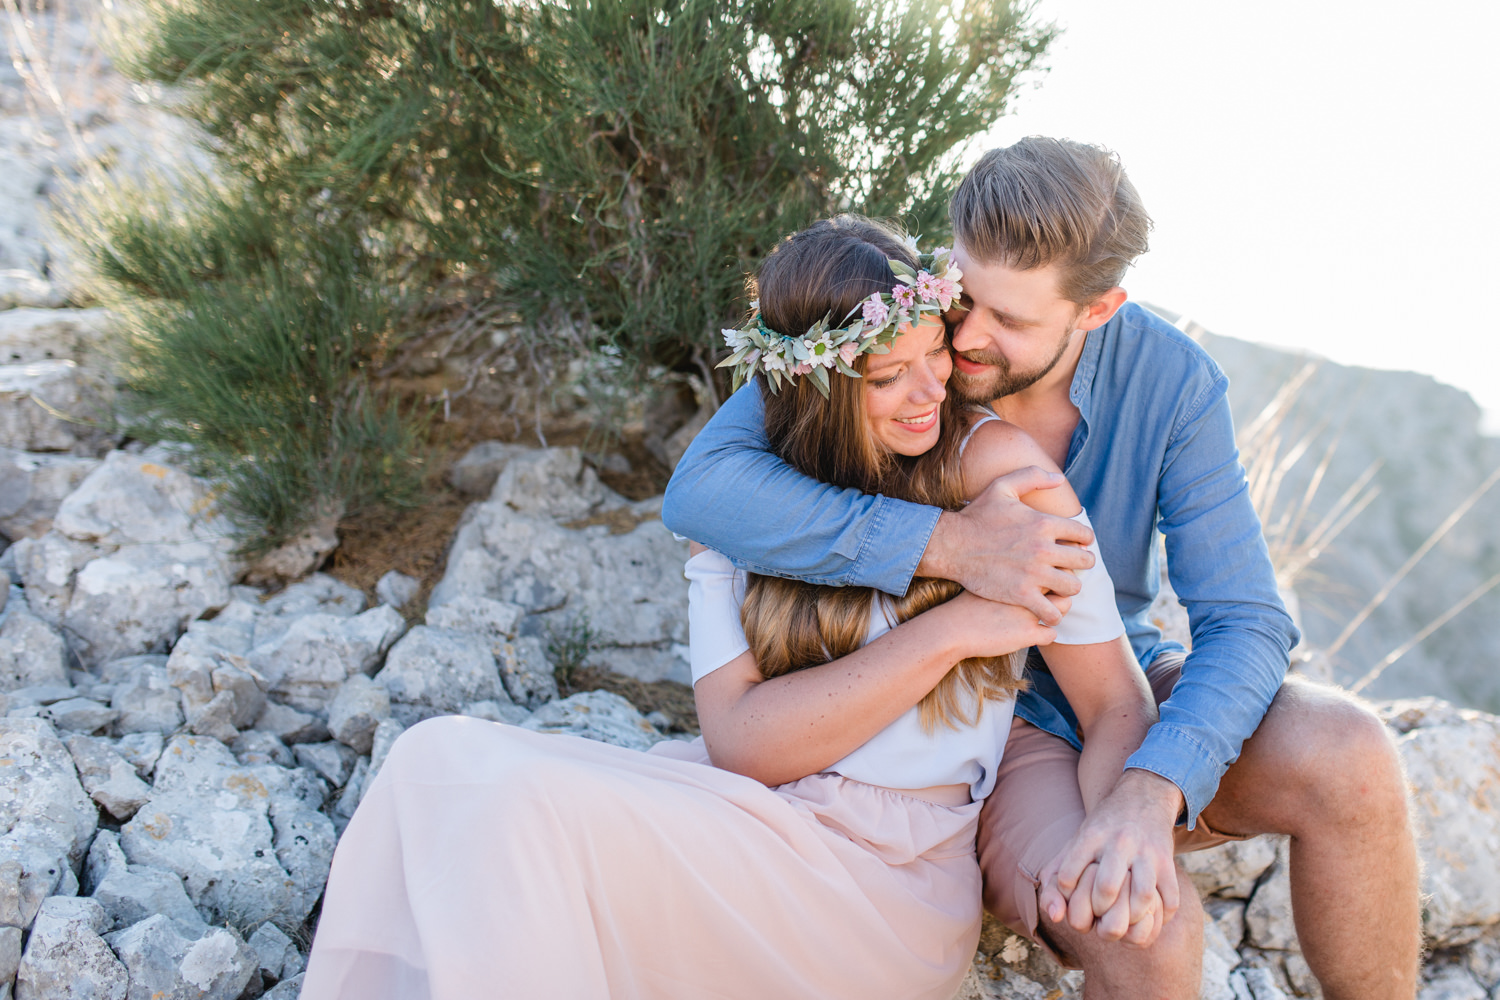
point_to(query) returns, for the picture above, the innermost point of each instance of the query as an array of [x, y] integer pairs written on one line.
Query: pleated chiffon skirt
[[489, 861]]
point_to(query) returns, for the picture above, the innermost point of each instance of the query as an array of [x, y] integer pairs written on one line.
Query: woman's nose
[[929, 388]]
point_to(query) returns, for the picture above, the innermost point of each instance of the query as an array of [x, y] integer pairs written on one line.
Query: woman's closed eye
[[881, 383]]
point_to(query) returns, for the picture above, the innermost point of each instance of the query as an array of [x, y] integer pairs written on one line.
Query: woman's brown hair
[[825, 271]]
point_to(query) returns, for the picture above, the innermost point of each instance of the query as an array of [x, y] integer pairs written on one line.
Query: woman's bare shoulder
[[999, 448]]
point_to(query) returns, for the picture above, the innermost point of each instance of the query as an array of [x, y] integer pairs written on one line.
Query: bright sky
[[1323, 173]]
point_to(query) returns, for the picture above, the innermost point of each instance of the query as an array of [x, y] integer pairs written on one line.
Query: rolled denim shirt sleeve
[[1219, 566], [731, 493]]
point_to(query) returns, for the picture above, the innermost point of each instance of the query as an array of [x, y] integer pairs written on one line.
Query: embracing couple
[[923, 668]]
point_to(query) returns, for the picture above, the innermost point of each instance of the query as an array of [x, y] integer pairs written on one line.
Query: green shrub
[[610, 169]]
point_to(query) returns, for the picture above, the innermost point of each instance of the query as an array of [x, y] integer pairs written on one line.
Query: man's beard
[[1001, 379]]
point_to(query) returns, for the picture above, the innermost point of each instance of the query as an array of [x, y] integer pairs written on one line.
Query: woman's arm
[[797, 724]]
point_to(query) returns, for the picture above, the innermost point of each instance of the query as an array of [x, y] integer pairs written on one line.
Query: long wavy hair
[[825, 271]]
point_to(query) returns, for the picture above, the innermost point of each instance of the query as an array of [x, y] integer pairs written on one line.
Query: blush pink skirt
[[489, 861]]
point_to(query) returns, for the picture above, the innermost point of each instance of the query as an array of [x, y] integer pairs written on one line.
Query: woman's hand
[[989, 628]]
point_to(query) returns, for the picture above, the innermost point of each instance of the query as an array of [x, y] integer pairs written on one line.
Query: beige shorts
[[1036, 807]]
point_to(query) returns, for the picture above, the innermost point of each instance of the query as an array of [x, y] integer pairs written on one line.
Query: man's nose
[[966, 334]]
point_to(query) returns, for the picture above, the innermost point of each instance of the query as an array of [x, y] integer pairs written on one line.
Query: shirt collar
[[1081, 392]]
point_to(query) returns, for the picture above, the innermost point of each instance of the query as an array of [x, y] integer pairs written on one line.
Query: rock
[[79, 715], [53, 406], [66, 957], [142, 750], [1484, 958], [526, 672], [246, 840], [440, 671], [290, 726], [1219, 957], [494, 711], [139, 599], [1452, 769], [1406, 714], [481, 465], [140, 499], [495, 621], [385, 736], [356, 710], [287, 989], [1256, 984], [32, 486], [1229, 916], [596, 715], [41, 801], [271, 946], [1300, 975], [306, 665], [1451, 982], [215, 718], [300, 554], [256, 747], [353, 794], [1268, 917], [29, 335], [31, 652], [30, 874], [48, 567], [318, 594], [109, 778], [131, 893], [146, 701], [627, 587], [332, 760], [164, 964], [397, 589], [1232, 869]]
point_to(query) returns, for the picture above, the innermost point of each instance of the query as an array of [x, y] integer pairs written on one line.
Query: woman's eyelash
[[882, 383]]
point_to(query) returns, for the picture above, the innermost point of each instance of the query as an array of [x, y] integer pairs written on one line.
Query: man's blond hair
[[1053, 201]]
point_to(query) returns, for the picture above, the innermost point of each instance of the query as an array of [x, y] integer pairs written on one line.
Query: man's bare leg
[[1323, 769]]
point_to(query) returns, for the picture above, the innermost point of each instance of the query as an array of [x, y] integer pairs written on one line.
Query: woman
[[819, 840]]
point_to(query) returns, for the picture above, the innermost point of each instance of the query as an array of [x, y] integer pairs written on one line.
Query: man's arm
[[1220, 567], [732, 494]]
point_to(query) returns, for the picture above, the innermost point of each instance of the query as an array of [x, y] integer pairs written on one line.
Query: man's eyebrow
[[1011, 319]]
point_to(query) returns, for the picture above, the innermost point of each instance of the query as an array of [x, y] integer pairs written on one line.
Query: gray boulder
[[53, 406], [495, 621], [319, 594], [397, 589], [31, 652], [475, 473], [80, 715], [290, 726], [356, 710], [287, 989], [109, 778], [439, 671], [247, 841], [140, 499], [1232, 869], [165, 965], [67, 957], [142, 750], [42, 804], [48, 567], [332, 760], [526, 671], [10, 956], [596, 715], [256, 747], [305, 666], [1268, 917], [131, 893], [29, 334], [272, 950], [146, 700], [1450, 982], [32, 486]]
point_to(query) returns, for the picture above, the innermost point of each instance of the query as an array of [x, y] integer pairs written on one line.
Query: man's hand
[[1117, 875], [1001, 549]]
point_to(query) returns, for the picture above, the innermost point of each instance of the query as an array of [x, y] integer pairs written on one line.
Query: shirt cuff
[[1174, 754], [893, 544]]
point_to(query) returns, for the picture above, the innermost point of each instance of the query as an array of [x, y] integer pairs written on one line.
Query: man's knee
[[1331, 755]]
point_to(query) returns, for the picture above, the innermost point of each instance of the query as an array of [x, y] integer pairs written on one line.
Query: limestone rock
[[1456, 797], [66, 957], [41, 801], [140, 499], [214, 718], [256, 747], [1451, 982], [31, 652], [1256, 984], [1406, 714], [397, 589], [109, 778], [307, 664], [300, 554], [495, 711], [481, 465], [385, 736], [1232, 869], [32, 486], [1268, 917], [290, 726], [271, 949], [332, 760], [145, 699], [596, 715], [164, 964], [438, 671], [10, 955], [1229, 916], [52, 406], [48, 567], [246, 840], [495, 621], [131, 893], [526, 672], [142, 750], [516, 548], [318, 594], [139, 599], [287, 989], [356, 710], [29, 334], [81, 715]]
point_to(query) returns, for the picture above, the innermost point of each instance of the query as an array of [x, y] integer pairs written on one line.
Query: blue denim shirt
[[1154, 449]]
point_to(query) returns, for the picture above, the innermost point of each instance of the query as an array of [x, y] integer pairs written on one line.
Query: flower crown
[[930, 291]]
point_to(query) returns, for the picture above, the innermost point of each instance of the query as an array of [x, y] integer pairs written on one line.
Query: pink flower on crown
[[802, 369], [905, 296], [946, 290], [848, 352], [876, 310], [927, 286]]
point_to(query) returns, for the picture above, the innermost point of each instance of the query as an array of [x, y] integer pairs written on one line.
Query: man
[[1136, 415]]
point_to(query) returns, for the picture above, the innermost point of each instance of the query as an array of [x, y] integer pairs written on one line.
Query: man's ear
[[1101, 310]]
